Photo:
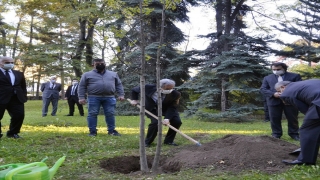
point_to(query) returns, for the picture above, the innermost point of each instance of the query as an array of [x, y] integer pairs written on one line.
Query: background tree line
[[61, 37]]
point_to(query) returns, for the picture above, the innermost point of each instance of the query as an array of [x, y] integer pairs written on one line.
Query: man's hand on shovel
[[133, 102], [166, 122]]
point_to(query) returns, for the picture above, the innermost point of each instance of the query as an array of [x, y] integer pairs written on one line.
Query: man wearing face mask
[[101, 87], [13, 95], [276, 106], [50, 94], [170, 102], [72, 96], [305, 96]]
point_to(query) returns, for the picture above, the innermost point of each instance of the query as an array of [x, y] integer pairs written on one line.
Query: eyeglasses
[[276, 69], [8, 62]]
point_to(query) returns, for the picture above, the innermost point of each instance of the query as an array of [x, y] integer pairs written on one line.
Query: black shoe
[[81, 114], [295, 162], [44, 115], [267, 120], [277, 137], [69, 115], [114, 133], [296, 138], [92, 134], [53, 115], [14, 136], [171, 144], [1, 135], [147, 145]]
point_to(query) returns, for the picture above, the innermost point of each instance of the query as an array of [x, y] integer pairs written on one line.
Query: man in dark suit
[[276, 106], [72, 97], [50, 94], [169, 107], [305, 96], [13, 95]]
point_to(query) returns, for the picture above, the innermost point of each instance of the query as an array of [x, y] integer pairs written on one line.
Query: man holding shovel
[[170, 103]]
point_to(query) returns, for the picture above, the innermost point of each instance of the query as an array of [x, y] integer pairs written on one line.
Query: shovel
[[171, 127], [296, 152]]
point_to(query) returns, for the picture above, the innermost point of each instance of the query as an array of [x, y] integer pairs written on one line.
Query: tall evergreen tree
[[174, 64], [306, 25], [232, 67]]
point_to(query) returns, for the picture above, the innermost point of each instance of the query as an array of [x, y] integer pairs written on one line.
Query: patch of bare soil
[[232, 153]]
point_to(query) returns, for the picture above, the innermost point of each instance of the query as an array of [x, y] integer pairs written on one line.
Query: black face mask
[[100, 67]]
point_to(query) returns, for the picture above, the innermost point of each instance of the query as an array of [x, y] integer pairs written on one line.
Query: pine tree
[[306, 24], [174, 64], [231, 69]]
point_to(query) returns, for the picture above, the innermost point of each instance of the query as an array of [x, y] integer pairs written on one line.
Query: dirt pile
[[232, 153]]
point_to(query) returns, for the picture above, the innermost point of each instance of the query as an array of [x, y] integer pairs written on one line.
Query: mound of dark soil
[[233, 153]]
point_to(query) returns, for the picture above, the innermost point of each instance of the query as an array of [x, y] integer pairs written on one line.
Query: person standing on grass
[[276, 106], [170, 105], [13, 95], [305, 96], [72, 97], [101, 86], [50, 94]]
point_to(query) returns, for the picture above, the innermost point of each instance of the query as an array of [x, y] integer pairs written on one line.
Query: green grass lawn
[[56, 136]]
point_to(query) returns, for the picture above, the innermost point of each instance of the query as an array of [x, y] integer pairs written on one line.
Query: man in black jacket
[[72, 97], [275, 105], [170, 104], [13, 95]]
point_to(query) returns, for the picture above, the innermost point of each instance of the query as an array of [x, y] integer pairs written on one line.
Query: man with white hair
[[305, 96], [50, 94], [170, 103], [13, 95]]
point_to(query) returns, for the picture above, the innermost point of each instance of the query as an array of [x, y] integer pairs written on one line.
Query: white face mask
[[74, 83], [8, 66], [53, 81], [278, 73], [166, 91]]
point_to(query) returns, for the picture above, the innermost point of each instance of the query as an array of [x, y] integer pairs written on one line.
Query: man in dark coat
[[305, 96], [276, 106], [13, 95], [72, 97], [170, 104]]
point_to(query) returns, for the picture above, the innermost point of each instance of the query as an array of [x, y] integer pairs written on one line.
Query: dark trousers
[[310, 139], [16, 111], [291, 113], [153, 128], [266, 111], [72, 100]]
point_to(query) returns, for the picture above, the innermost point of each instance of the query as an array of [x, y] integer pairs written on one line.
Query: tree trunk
[[156, 159], [143, 156], [225, 8], [81, 44], [89, 40], [14, 43]]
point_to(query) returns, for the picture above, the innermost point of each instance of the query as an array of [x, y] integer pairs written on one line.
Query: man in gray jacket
[[50, 93], [101, 87]]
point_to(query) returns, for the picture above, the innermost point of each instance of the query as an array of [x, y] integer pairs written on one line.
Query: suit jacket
[[47, 92], [268, 90], [68, 92], [19, 87], [169, 104], [305, 95]]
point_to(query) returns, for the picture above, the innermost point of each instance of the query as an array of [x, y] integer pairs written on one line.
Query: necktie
[[8, 76], [280, 79], [52, 86], [73, 89]]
